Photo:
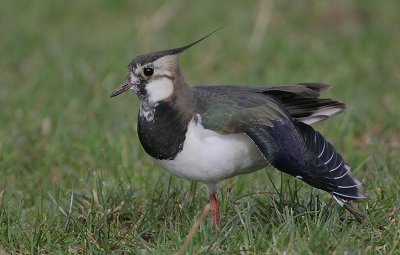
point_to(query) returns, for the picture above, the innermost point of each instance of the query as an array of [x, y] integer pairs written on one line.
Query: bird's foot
[[215, 212]]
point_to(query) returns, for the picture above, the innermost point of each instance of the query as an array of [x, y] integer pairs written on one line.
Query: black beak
[[121, 89]]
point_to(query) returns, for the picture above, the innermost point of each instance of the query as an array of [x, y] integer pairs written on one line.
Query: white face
[[153, 81], [159, 90]]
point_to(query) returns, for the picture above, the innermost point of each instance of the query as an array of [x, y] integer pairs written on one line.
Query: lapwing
[[211, 133]]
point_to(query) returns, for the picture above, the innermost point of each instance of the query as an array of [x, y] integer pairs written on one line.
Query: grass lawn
[[74, 178]]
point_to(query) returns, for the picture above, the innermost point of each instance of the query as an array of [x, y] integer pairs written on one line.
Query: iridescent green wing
[[230, 110]]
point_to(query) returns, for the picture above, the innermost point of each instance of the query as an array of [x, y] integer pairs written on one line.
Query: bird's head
[[154, 76]]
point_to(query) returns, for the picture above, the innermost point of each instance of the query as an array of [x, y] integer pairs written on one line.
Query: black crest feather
[[150, 57]]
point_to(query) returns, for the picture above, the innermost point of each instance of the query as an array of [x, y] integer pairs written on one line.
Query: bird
[[214, 132]]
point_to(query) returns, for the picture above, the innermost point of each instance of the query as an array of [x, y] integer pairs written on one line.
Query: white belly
[[210, 157]]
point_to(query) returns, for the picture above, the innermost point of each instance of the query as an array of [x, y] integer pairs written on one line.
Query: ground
[[74, 178]]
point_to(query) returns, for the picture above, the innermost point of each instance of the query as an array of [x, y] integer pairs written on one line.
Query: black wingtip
[[316, 86]]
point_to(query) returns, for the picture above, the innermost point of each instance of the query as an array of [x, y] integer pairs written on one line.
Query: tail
[[313, 110], [303, 103]]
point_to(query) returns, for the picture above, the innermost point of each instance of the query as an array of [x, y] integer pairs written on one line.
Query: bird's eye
[[148, 71]]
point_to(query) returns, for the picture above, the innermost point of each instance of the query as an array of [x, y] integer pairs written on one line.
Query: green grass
[[74, 178]]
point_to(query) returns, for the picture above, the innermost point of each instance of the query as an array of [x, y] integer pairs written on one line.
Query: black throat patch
[[162, 136]]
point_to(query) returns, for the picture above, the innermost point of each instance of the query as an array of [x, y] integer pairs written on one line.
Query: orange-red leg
[[215, 212]]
